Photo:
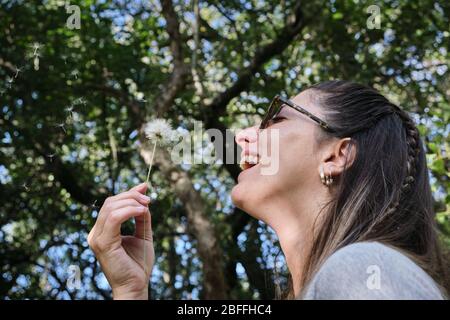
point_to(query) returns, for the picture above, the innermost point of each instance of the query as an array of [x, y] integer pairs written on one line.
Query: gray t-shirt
[[368, 271]]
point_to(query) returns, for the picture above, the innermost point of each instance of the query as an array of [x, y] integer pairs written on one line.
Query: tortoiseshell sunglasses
[[278, 103]]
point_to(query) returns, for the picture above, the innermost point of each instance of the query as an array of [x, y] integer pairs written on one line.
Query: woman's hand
[[122, 257]]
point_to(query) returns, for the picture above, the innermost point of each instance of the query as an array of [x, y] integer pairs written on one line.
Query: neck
[[296, 249], [294, 231]]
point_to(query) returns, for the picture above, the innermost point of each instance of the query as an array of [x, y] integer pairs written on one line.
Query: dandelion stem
[[151, 163], [147, 182]]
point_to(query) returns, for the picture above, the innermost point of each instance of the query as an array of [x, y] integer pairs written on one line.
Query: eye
[[276, 120]]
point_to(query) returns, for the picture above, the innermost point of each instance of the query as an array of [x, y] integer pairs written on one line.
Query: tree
[[74, 101]]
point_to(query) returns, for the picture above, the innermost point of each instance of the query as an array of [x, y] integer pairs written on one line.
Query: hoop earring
[[329, 179], [326, 180], [322, 175]]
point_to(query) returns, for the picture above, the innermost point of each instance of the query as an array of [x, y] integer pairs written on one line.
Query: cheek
[[296, 158]]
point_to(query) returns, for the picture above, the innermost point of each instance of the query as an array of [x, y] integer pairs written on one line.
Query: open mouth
[[249, 161]]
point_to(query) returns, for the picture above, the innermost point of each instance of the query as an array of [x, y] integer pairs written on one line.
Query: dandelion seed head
[[161, 131]]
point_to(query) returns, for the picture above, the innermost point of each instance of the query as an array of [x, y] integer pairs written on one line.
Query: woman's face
[[294, 167]]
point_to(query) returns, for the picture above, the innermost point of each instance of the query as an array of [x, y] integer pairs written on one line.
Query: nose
[[247, 137]]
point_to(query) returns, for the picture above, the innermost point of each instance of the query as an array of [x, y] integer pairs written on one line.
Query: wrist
[[127, 294]]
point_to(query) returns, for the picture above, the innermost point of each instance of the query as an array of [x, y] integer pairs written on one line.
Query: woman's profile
[[350, 202]]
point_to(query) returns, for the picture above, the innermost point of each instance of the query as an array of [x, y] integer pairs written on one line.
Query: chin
[[238, 196], [246, 197], [252, 192]]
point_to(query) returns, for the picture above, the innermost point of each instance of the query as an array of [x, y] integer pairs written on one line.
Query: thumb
[[141, 188]]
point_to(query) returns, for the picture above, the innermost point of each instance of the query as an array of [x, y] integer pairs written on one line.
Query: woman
[[350, 202]]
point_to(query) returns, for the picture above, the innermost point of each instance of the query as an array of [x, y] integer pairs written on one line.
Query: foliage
[[70, 119]]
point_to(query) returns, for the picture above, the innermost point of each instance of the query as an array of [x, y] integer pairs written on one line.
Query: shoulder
[[371, 270]]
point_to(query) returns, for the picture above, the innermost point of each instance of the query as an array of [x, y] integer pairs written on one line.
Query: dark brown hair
[[385, 194]]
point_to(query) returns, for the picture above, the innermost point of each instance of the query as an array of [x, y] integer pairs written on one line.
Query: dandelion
[[159, 131]]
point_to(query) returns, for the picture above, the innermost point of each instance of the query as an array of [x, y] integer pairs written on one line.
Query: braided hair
[[413, 151]]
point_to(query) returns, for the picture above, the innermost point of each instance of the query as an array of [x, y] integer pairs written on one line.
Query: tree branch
[[178, 77]]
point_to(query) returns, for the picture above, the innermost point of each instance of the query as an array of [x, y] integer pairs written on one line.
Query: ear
[[341, 155]]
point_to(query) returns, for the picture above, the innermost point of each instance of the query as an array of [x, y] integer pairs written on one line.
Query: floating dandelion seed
[[36, 47], [62, 126], [70, 111], [82, 101], [9, 82], [79, 101], [36, 62], [75, 74], [24, 185], [18, 70], [2, 92], [51, 156], [94, 205]]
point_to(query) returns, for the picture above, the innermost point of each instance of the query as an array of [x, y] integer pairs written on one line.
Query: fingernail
[[142, 209], [145, 198]]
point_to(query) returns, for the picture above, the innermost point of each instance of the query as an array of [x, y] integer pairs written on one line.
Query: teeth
[[252, 159], [247, 161], [243, 165]]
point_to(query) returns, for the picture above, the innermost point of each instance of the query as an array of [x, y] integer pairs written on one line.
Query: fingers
[[133, 194], [115, 205], [141, 188], [114, 220], [125, 203], [132, 197], [118, 209], [144, 228]]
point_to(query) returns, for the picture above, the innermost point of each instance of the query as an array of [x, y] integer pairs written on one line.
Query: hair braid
[[413, 151]]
